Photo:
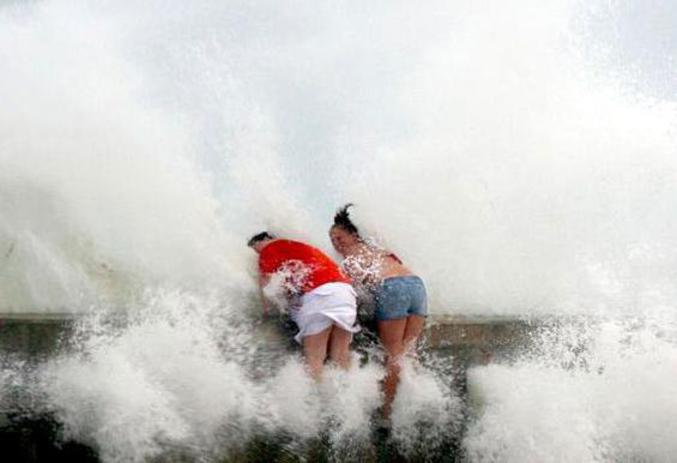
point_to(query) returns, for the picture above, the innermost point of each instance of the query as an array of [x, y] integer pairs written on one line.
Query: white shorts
[[324, 306]]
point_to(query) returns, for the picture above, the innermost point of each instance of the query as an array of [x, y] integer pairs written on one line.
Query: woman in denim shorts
[[399, 296]]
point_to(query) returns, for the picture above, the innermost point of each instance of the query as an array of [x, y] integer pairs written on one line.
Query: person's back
[[304, 266], [367, 265]]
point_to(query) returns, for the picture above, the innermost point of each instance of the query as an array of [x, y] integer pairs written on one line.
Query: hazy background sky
[[641, 40]]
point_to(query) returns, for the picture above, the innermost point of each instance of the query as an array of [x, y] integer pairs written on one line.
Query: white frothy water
[[426, 412], [487, 143], [184, 377], [160, 380], [605, 393]]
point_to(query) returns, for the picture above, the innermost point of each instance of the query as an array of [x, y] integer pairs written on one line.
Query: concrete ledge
[[33, 334], [490, 332], [479, 340], [471, 339]]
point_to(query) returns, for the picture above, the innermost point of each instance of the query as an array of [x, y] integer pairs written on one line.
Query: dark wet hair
[[264, 235], [342, 220]]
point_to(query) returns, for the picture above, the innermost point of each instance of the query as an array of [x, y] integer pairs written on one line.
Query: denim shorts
[[399, 297]]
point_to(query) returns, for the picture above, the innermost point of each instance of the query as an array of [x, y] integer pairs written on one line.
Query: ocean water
[[519, 157]]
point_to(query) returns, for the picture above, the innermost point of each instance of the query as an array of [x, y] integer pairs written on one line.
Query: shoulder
[[357, 262], [278, 246], [369, 253], [271, 254], [289, 249], [290, 245], [382, 254]]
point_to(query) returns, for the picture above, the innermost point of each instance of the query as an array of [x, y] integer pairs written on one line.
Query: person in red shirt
[[319, 297]]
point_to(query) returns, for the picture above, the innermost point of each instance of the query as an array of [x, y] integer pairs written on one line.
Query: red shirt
[[307, 266]]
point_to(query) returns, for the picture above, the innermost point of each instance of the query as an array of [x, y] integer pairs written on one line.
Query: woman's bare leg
[[339, 347], [315, 352], [391, 333], [412, 332]]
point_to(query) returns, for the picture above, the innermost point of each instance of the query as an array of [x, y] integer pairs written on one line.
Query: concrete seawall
[[33, 335], [477, 339]]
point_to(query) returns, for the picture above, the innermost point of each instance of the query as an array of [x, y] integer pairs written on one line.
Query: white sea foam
[[427, 413], [159, 381], [605, 395], [181, 374]]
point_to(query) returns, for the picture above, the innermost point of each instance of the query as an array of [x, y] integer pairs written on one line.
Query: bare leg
[[315, 352], [412, 332], [339, 347], [391, 333]]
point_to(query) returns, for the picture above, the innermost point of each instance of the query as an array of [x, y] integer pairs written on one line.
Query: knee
[[315, 371], [315, 358], [409, 346], [336, 355], [394, 364], [394, 353], [314, 364], [340, 354]]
